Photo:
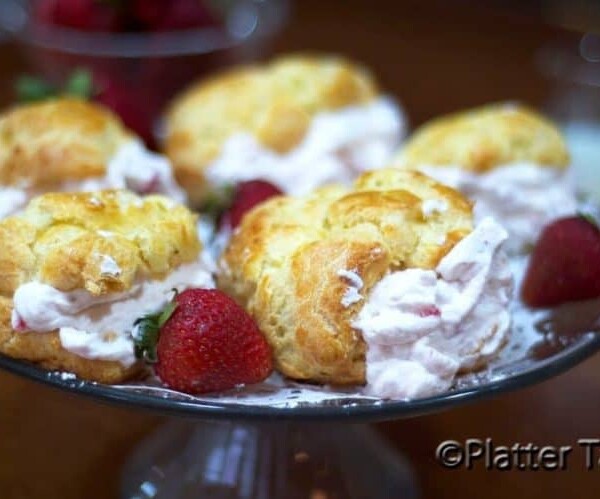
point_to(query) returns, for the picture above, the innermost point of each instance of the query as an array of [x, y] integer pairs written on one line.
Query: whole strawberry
[[206, 342], [87, 15], [134, 107], [565, 264], [183, 14], [245, 197], [150, 13]]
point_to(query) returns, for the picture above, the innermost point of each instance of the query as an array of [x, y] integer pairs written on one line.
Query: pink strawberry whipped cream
[[133, 167], [523, 197], [424, 326], [338, 146], [100, 327]]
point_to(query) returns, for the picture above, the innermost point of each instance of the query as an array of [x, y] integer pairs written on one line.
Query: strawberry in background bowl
[[140, 52]]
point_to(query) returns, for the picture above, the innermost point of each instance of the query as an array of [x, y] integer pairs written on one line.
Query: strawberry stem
[[218, 202], [166, 313]]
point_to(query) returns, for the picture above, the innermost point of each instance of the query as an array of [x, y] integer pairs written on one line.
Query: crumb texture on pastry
[[273, 102], [483, 138], [64, 240], [293, 262], [58, 140]]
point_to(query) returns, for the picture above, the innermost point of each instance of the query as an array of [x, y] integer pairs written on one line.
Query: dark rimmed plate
[[543, 345]]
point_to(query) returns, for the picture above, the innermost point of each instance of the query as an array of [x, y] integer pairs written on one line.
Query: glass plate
[[542, 345]]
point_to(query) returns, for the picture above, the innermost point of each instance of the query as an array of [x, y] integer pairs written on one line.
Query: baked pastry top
[[273, 102], [62, 239], [480, 139], [289, 260], [64, 139]]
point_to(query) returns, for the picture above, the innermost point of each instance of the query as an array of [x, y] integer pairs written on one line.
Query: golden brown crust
[[274, 102], [480, 139], [45, 144], [283, 263], [61, 239]]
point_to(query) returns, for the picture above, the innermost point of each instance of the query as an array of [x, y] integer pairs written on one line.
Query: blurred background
[[435, 56]]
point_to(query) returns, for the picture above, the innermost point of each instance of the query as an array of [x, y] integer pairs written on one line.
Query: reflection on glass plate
[[543, 343]]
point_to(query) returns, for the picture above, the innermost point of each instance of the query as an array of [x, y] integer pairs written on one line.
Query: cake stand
[[284, 440]]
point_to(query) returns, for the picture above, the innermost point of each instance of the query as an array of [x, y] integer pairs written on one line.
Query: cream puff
[[69, 144], [510, 160], [386, 283], [77, 269], [298, 122]]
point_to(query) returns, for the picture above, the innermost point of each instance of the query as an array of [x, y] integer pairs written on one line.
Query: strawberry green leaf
[[32, 89], [217, 202], [80, 84], [146, 332]]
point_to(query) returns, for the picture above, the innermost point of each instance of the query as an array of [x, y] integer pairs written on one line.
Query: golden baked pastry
[[286, 263], [66, 139], [274, 102], [480, 139], [62, 240]]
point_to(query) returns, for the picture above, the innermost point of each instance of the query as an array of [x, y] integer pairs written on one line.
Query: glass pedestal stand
[[187, 459], [228, 449]]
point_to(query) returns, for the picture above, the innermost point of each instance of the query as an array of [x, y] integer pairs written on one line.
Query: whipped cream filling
[[213, 241], [423, 326], [338, 146], [100, 327], [133, 167], [523, 197], [355, 284], [12, 200]]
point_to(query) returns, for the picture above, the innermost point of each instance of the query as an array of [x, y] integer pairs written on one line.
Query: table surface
[[435, 59]]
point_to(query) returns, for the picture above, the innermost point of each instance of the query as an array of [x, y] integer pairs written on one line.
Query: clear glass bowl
[[140, 72]]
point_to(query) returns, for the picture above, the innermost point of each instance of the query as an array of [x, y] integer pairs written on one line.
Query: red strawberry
[[150, 13], [88, 15], [133, 106], [185, 14], [246, 196], [565, 264], [206, 342], [45, 11]]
